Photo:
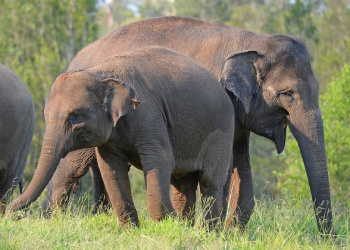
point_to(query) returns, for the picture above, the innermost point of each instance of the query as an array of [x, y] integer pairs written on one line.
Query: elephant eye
[[288, 93], [286, 96], [76, 118]]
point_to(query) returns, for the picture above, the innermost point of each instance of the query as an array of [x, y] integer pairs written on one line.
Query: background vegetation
[[39, 38]]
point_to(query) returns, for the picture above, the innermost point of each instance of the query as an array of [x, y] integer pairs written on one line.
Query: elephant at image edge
[[272, 86], [176, 131], [16, 131]]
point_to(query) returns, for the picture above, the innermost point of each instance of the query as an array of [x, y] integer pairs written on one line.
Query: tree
[[207, 10], [111, 14], [155, 8], [38, 39], [249, 16], [333, 48]]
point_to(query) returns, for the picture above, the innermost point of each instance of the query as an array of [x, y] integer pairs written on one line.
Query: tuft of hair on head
[[63, 76]]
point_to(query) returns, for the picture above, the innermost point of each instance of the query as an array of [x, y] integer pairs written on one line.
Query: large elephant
[[272, 87], [184, 126], [275, 87], [16, 131]]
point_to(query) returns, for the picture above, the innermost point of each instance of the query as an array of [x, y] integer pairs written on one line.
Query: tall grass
[[283, 223]]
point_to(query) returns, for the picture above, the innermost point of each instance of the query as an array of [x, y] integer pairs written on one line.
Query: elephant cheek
[[104, 129], [102, 135]]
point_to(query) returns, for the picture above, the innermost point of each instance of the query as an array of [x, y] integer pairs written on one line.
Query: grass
[[279, 224], [282, 223]]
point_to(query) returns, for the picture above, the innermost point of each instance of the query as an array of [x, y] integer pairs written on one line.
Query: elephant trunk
[[51, 152], [307, 128]]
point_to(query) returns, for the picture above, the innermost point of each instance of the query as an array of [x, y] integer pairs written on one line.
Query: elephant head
[[273, 90], [82, 112]]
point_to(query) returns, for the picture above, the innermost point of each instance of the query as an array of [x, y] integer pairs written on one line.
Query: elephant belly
[[195, 155]]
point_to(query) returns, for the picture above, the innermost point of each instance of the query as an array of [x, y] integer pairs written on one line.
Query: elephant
[[16, 131], [180, 124], [272, 87]]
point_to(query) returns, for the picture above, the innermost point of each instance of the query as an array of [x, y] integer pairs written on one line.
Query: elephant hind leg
[[214, 180], [184, 195], [8, 182], [13, 166], [241, 199], [241, 190], [57, 196], [5, 190], [101, 199], [212, 197]]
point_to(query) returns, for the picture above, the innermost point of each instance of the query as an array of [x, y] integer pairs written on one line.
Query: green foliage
[[111, 14], [335, 107], [211, 11], [336, 112], [264, 160], [333, 49], [294, 19], [250, 17], [148, 9], [38, 39]]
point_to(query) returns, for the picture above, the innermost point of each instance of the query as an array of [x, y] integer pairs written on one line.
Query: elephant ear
[[119, 99], [239, 76]]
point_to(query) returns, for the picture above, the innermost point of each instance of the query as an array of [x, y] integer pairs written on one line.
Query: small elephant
[[180, 124], [16, 131]]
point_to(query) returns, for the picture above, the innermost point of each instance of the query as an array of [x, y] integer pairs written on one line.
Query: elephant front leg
[[114, 171], [241, 189], [158, 163], [184, 195], [158, 199]]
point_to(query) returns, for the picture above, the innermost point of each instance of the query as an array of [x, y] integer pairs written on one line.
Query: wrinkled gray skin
[[276, 88], [184, 126], [16, 131], [272, 86]]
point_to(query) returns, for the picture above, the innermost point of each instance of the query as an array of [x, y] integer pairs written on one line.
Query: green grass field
[[283, 223], [278, 224]]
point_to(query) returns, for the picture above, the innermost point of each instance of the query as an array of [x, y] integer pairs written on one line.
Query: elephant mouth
[[279, 134]]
